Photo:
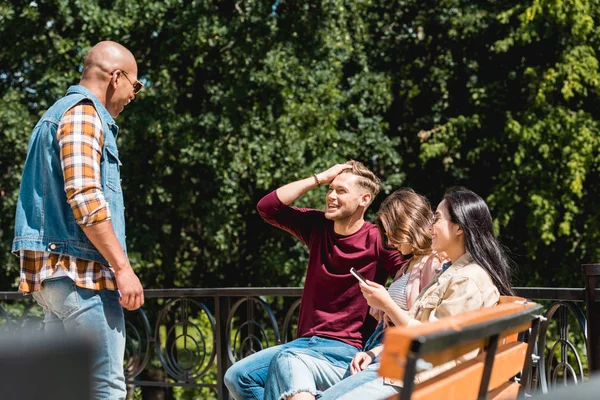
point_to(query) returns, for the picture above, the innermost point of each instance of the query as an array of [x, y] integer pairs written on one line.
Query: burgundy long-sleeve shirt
[[332, 304]]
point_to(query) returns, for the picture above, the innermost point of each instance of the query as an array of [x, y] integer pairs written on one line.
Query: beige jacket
[[464, 286]]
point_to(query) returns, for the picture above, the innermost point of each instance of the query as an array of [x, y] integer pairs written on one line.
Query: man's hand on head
[[326, 177]]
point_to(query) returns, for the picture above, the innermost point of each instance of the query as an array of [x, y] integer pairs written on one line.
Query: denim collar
[[100, 108]]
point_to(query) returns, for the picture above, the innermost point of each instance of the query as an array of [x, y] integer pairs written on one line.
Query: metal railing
[[185, 339]]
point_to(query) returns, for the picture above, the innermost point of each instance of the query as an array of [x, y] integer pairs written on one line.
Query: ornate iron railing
[[563, 315], [185, 339]]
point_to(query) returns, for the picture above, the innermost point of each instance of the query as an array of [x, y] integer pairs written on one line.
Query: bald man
[[70, 222]]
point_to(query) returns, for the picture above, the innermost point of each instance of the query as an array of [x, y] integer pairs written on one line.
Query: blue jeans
[[366, 384], [97, 315], [247, 379]]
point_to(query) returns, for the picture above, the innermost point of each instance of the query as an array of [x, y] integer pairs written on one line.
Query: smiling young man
[[331, 324], [70, 221]]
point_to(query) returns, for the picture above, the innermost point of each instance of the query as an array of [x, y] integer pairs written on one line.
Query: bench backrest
[[491, 331]]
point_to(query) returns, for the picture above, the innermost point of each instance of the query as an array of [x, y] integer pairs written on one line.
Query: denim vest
[[44, 220]]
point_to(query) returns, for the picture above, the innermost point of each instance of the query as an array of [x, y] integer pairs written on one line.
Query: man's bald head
[[106, 57], [110, 73]]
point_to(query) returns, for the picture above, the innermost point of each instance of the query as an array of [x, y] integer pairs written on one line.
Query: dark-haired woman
[[479, 274]]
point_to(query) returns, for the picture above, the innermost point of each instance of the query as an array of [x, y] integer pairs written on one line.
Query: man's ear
[[111, 87], [365, 199], [114, 79]]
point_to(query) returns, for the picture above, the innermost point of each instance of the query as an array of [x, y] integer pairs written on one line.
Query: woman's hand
[[360, 362], [387, 321], [377, 296], [376, 313]]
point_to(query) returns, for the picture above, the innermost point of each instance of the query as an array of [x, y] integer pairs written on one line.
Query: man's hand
[[291, 192], [326, 177], [360, 361], [132, 293], [102, 236]]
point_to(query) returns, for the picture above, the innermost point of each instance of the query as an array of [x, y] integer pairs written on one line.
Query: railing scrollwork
[[192, 335], [548, 371], [137, 345]]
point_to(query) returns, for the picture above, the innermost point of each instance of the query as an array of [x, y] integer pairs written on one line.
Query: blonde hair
[[406, 217], [366, 179]]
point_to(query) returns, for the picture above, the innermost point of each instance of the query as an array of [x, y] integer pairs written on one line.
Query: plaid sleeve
[[80, 139]]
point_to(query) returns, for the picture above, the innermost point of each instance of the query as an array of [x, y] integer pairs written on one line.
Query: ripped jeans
[[312, 369], [259, 376]]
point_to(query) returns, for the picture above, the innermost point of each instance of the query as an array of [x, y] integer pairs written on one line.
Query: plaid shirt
[[80, 139]]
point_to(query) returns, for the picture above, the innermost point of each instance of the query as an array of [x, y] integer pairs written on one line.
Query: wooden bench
[[489, 375]]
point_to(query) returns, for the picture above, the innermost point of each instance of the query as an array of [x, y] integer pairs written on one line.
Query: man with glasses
[[70, 223], [137, 85]]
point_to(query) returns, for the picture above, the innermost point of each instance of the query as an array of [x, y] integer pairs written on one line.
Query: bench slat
[[395, 369], [508, 391], [460, 337], [462, 381], [397, 339], [459, 383], [507, 363]]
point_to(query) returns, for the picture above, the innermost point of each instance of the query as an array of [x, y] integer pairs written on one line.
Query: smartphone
[[358, 276]]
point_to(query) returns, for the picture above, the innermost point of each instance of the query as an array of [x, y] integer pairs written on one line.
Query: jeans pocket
[[113, 310], [60, 296]]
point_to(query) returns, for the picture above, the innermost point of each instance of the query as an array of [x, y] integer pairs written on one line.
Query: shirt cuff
[[90, 208]]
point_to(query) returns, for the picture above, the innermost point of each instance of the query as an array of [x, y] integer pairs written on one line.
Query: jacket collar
[[448, 271], [100, 108], [463, 261]]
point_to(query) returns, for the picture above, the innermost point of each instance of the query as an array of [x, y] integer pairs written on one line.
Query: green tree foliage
[[244, 96], [504, 98], [240, 98]]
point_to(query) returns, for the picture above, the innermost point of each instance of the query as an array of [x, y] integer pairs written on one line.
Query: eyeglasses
[[137, 85]]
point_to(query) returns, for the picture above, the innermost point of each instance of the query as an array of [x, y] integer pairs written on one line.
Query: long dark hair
[[469, 210]]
